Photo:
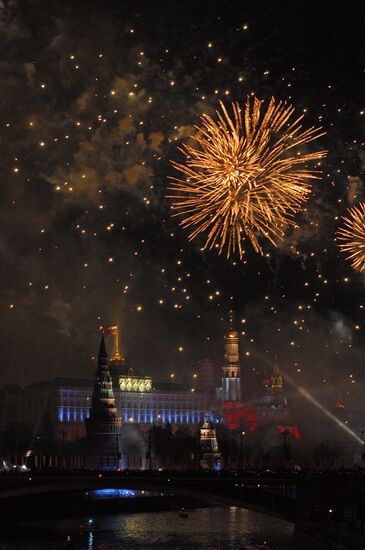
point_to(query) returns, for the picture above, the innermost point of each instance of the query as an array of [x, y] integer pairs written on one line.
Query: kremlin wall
[[100, 412]]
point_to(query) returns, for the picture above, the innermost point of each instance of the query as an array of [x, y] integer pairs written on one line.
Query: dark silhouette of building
[[103, 425]]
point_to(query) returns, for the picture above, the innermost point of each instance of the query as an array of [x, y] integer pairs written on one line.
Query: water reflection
[[115, 493], [218, 528]]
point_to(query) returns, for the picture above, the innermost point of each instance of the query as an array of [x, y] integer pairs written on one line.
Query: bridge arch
[[230, 492]]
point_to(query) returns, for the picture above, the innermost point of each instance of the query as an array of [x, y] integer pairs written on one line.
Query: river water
[[216, 528]]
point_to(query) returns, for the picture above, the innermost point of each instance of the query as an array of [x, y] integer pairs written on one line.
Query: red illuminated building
[[270, 407]]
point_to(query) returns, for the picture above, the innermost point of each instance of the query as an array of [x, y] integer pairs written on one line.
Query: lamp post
[[40, 439], [242, 434]]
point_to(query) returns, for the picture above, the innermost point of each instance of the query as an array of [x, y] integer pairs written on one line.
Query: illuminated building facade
[[140, 402], [165, 403], [66, 402]]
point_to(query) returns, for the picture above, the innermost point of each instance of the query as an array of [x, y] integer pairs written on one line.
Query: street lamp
[[40, 439], [242, 434]]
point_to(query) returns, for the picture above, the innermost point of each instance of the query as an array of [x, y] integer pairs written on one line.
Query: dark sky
[[95, 99]]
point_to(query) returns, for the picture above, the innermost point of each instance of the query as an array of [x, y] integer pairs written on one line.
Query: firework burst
[[243, 176], [351, 237]]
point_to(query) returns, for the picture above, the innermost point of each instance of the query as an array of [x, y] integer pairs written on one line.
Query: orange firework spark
[[242, 177], [351, 236]]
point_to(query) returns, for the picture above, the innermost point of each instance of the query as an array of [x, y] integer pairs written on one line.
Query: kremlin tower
[[103, 425], [231, 375], [273, 393], [117, 364], [229, 406], [272, 408], [211, 457], [277, 396]]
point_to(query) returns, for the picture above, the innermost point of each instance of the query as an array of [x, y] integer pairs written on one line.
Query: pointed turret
[[103, 425], [207, 425], [273, 406], [103, 356], [277, 394], [276, 378], [103, 396], [211, 458]]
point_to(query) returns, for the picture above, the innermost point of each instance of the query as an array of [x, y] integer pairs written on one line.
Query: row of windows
[[146, 416], [122, 396], [133, 403], [72, 414], [160, 405], [162, 417], [74, 402]]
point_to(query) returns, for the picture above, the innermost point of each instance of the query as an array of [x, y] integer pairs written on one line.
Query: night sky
[[96, 97]]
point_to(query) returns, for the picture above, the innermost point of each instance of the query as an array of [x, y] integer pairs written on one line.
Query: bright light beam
[[314, 401], [317, 404]]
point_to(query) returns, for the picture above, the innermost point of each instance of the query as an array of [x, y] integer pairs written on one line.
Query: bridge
[[319, 503], [283, 496], [275, 496]]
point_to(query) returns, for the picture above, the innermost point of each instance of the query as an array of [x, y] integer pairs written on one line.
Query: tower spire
[[103, 356], [277, 393], [117, 355], [230, 319], [114, 331], [276, 378]]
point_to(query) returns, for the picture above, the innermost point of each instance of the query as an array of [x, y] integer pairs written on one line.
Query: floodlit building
[[269, 407], [65, 403], [121, 405]]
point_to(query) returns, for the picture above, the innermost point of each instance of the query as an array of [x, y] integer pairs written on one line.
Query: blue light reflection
[[112, 493]]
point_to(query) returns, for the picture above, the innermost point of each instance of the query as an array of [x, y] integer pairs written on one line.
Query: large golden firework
[[242, 176], [351, 237]]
